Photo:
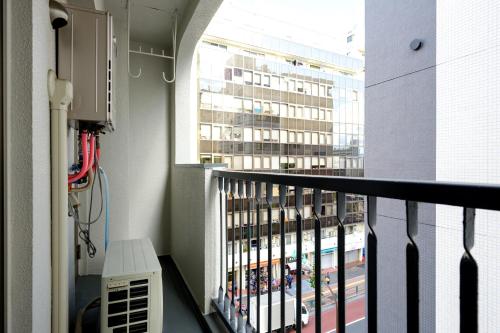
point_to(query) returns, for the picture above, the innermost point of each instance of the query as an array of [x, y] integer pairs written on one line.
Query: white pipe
[[60, 96]]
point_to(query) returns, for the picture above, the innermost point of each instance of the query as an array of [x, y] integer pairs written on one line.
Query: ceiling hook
[[174, 49], [135, 76]]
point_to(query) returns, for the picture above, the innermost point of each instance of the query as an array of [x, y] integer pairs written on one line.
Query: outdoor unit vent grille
[[131, 291]]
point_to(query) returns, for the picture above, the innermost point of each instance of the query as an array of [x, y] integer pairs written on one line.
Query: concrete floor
[[179, 311]]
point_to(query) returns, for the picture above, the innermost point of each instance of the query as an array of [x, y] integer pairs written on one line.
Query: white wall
[[468, 149], [29, 55]]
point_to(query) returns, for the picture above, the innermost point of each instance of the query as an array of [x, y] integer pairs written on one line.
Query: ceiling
[[151, 20]]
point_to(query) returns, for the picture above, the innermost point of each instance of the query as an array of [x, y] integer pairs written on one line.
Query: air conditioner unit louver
[[131, 288]]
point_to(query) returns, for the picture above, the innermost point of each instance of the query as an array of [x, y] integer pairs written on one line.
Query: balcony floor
[[179, 311]]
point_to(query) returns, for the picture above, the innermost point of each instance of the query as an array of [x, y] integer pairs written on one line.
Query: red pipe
[[85, 164]]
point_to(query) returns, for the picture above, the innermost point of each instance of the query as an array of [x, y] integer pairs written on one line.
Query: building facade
[[300, 112]]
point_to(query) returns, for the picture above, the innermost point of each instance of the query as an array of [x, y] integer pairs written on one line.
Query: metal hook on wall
[[174, 49], [128, 44]]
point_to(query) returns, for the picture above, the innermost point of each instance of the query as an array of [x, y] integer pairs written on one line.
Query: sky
[[319, 23]]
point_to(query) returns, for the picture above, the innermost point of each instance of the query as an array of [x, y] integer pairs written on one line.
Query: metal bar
[[412, 270], [151, 54], [282, 198], [468, 277], [341, 262], [232, 312], [240, 243], [299, 203], [269, 200], [258, 187], [479, 196], [371, 262], [249, 245], [220, 300], [317, 260], [226, 277]]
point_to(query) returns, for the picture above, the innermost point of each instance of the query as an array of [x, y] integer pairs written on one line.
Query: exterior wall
[[29, 51], [400, 143], [468, 150]]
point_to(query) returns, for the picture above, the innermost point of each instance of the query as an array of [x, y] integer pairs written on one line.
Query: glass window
[[307, 214], [247, 160], [266, 162], [238, 162], [329, 115], [314, 90], [321, 114], [328, 139], [275, 162], [256, 79], [307, 88], [329, 91], [206, 100], [300, 86], [314, 113], [291, 162], [322, 139], [283, 163], [267, 107], [256, 162], [266, 135], [307, 113], [266, 81], [228, 74], [283, 84], [291, 137], [322, 162], [315, 163], [257, 106], [275, 135], [314, 138], [307, 163], [307, 138], [237, 134], [237, 104], [247, 134], [283, 136], [291, 85], [283, 110], [229, 161], [205, 159], [322, 92], [257, 135], [247, 77], [205, 132], [238, 75], [354, 95], [275, 109], [275, 82], [247, 105], [300, 112], [300, 137], [300, 163], [216, 132]]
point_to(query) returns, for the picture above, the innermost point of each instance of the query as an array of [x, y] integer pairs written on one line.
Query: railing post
[[249, 194], [241, 325], [299, 204], [282, 198], [317, 259], [341, 262], [371, 263], [258, 195], [468, 277], [233, 280], [220, 299], [269, 200], [226, 277], [412, 270]]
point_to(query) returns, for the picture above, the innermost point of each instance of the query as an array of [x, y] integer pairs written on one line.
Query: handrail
[[479, 196]]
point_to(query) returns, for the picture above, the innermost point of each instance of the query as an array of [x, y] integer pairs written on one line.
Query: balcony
[[202, 249]]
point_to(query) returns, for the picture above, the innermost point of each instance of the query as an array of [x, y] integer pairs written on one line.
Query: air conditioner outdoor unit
[[131, 288]]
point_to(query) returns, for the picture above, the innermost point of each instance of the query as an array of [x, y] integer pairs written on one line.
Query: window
[[322, 140], [314, 90], [228, 133], [291, 137], [314, 113], [256, 162], [300, 137], [247, 134], [300, 112], [315, 163], [247, 105], [216, 132], [283, 136], [266, 81], [283, 163], [238, 162], [228, 74], [300, 86], [205, 132], [267, 107], [300, 163], [291, 111], [247, 162], [205, 159], [257, 106], [275, 109], [275, 82], [322, 92], [238, 75], [266, 162], [275, 135], [307, 163], [266, 135], [283, 84], [275, 162], [257, 135], [206, 100], [256, 79], [237, 105], [283, 110], [354, 95], [329, 115], [237, 134], [328, 139], [314, 138], [229, 161], [307, 113], [307, 138], [291, 162], [247, 77], [307, 88], [321, 114], [329, 91], [291, 85], [322, 162], [329, 162]]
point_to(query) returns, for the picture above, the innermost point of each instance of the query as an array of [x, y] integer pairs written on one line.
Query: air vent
[[136, 304], [138, 282], [114, 308], [138, 291], [117, 320], [138, 328], [117, 295], [122, 329], [138, 316]]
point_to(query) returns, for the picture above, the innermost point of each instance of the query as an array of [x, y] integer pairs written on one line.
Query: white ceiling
[[151, 20]]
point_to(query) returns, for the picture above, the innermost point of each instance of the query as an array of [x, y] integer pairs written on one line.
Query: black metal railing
[[239, 316]]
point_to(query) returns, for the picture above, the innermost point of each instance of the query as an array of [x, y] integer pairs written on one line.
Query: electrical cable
[[106, 200]]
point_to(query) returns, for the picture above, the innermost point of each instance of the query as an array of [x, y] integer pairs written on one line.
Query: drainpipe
[[60, 96]]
